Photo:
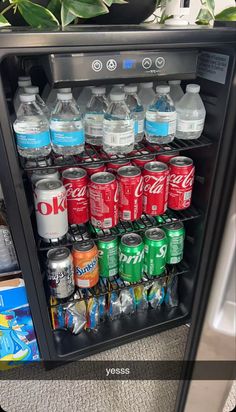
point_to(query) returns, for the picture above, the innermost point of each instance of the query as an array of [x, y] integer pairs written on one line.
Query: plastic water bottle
[[52, 98], [146, 94], [191, 114], [84, 98], [136, 109], [66, 126], [32, 129], [35, 90], [161, 117], [118, 125], [23, 81], [94, 116], [176, 92]]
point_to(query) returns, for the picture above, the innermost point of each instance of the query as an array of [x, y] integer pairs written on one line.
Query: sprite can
[[175, 233], [155, 249], [131, 256], [108, 257]]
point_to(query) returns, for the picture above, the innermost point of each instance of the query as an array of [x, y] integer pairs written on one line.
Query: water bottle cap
[[98, 90], [163, 89], [174, 81], [25, 98], [65, 90], [64, 96], [131, 88], [24, 83], [146, 85], [23, 78], [193, 88], [117, 95], [32, 90]]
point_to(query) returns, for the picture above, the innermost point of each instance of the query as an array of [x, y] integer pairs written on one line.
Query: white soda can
[[51, 209], [44, 174]]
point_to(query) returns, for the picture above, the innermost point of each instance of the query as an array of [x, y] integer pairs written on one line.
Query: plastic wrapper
[[75, 319], [102, 304], [127, 301], [141, 297], [114, 305], [172, 298], [156, 293], [92, 313], [57, 314]]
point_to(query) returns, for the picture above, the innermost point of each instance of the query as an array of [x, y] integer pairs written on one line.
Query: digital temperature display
[[129, 64]]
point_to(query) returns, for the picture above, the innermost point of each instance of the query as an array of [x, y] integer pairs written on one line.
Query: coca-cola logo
[[154, 184], [78, 192], [184, 181], [116, 195], [57, 206], [139, 188]]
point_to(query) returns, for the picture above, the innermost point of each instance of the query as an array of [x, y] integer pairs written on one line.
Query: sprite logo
[[162, 251], [132, 259]]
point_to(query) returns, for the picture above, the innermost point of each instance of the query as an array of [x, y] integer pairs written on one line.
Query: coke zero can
[[75, 181], [92, 168], [51, 209], [130, 183], [181, 182], [103, 198], [155, 192], [44, 174]]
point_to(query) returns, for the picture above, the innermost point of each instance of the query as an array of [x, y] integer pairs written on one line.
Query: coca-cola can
[[146, 157], [166, 157], [114, 165], [75, 181], [51, 209], [155, 192], [103, 199], [87, 156], [181, 182], [94, 168], [130, 183]]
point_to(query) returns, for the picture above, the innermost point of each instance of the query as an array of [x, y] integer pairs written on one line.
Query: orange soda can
[[85, 258]]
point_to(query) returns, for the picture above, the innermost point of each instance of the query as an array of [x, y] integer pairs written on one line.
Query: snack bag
[[75, 317], [92, 313], [156, 293], [127, 301], [141, 297], [172, 298]]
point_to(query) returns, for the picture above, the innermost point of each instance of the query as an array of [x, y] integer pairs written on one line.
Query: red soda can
[[155, 192], [92, 168], [113, 166], [153, 147], [140, 161], [87, 156], [75, 181], [166, 157], [181, 182], [130, 183], [103, 198]]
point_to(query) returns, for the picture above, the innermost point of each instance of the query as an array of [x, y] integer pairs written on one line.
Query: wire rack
[[93, 155], [81, 233], [105, 286]]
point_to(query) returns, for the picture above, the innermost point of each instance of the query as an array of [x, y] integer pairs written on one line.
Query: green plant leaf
[[66, 16], [35, 15], [228, 14], [119, 1], [204, 16], [55, 7], [86, 8], [108, 2], [210, 5], [3, 21]]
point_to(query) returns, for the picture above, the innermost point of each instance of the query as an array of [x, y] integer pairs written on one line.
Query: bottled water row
[[115, 120]]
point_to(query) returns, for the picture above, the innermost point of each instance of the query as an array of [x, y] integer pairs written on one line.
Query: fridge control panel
[[132, 64]]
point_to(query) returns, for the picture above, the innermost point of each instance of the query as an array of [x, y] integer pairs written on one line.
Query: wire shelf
[[81, 233], [94, 155]]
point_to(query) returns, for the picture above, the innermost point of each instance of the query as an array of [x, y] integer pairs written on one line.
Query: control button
[[97, 65], [160, 62], [111, 65], [147, 63]]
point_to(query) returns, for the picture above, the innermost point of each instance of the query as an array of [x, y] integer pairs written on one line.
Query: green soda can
[[175, 233], [131, 256], [155, 249], [108, 257]]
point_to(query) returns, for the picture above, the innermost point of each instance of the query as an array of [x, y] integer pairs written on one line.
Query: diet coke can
[[181, 182], [166, 157], [75, 181], [130, 183], [51, 209], [94, 168], [113, 166], [44, 174], [155, 192], [103, 198], [146, 157]]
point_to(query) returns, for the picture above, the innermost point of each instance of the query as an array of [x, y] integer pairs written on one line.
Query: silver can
[[51, 209], [8, 259], [44, 174], [60, 272]]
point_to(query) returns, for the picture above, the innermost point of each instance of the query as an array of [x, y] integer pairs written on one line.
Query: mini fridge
[[80, 56]]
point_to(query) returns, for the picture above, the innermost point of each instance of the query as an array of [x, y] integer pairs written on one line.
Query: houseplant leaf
[[85, 8], [211, 6], [119, 1], [55, 7], [66, 16], [3, 21], [35, 15], [108, 2], [228, 14], [204, 16]]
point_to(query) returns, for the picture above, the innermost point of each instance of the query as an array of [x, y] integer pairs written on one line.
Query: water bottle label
[[136, 127], [190, 125], [161, 123], [94, 125], [124, 135], [140, 125], [33, 141], [74, 138]]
